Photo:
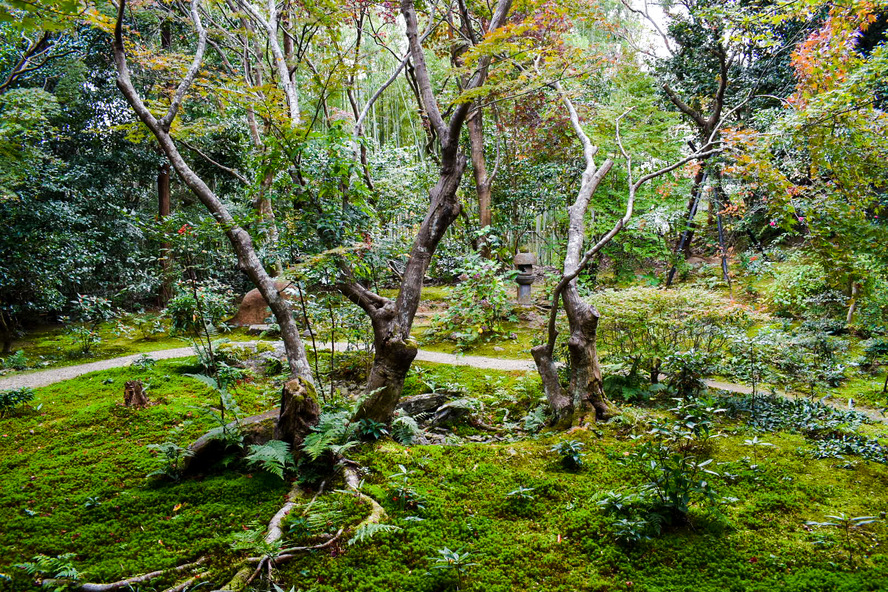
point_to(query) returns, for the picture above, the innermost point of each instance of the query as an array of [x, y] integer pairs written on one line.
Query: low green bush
[[11, 400]]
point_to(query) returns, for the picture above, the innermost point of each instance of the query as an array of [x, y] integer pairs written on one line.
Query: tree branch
[[232, 172], [430, 104], [684, 107], [186, 82]]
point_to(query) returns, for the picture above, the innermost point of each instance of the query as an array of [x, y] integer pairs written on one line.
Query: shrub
[[88, 312], [641, 327], [686, 371], [11, 399], [478, 306], [171, 457], [675, 474], [570, 453], [193, 316], [801, 289], [16, 361]]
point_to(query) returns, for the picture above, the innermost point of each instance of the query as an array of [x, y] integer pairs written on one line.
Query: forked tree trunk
[[585, 392], [393, 319]]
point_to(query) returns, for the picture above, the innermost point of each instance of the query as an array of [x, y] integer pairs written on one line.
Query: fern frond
[[368, 531], [207, 380], [274, 456]]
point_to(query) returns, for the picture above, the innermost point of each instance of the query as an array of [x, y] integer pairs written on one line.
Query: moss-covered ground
[[74, 481], [74, 475]]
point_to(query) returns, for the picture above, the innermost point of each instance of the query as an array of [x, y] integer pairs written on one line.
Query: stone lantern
[[524, 262]]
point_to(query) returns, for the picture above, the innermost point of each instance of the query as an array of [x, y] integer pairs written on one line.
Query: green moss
[[83, 447], [562, 542]]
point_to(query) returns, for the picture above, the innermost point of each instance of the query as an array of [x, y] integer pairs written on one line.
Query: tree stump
[[299, 413], [134, 394]]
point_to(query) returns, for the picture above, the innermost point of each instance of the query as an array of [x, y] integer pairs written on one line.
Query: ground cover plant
[[694, 397], [511, 512]]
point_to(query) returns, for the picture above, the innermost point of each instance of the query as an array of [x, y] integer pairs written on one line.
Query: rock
[[253, 309], [425, 403], [208, 449], [258, 329], [268, 362], [449, 413], [499, 349]]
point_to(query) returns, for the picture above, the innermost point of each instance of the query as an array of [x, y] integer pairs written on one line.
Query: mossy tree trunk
[[585, 394]]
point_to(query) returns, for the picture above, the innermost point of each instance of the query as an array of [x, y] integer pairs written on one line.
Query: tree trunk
[[683, 245], [134, 394], [390, 366], [240, 239], [482, 182], [163, 211], [392, 320], [852, 306], [263, 207], [299, 412], [586, 388]]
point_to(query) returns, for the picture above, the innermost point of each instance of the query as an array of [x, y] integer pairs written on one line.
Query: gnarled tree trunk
[[240, 239], [585, 393], [393, 319]]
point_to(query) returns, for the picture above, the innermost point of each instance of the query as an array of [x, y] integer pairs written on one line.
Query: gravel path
[[53, 375]]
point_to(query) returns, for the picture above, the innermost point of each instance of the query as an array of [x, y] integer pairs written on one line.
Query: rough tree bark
[[585, 393], [483, 180], [240, 239], [393, 319]]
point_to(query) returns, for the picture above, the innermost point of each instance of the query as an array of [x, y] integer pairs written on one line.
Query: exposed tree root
[[90, 587], [248, 573], [183, 585], [353, 482]]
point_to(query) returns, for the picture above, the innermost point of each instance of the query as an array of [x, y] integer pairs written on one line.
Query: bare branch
[[230, 171], [359, 122], [430, 103], [271, 26], [462, 109], [186, 82], [647, 17], [684, 107]]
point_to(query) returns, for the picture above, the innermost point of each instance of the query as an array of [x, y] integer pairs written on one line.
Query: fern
[[59, 567], [330, 435], [253, 541], [368, 531], [274, 457], [207, 380], [322, 516], [405, 429]]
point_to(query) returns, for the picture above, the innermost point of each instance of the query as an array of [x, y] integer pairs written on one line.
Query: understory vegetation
[[574, 295], [691, 493]]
